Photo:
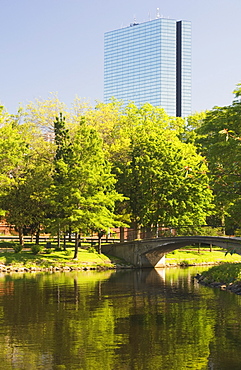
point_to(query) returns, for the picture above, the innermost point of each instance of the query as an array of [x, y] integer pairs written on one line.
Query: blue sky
[[58, 46]]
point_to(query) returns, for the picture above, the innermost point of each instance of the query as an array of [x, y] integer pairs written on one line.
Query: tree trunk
[[64, 241], [137, 230], [100, 234], [99, 243], [58, 237], [107, 236], [148, 233], [70, 235], [37, 236], [223, 222], [122, 234], [76, 245], [20, 234], [157, 230]]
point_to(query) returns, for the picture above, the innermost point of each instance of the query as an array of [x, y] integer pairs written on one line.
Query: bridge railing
[[129, 234]]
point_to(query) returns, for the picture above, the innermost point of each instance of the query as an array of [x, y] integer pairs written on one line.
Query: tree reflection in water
[[130, 319]]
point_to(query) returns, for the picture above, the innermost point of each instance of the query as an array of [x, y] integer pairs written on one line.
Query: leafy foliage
[[97, 154], [164, 178], [82, 194], [24, 175], [36, 248], [226, 273], [219, 137]]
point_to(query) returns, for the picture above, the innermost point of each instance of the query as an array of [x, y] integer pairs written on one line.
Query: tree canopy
[[219, 140], [90, 168], [164, 178]]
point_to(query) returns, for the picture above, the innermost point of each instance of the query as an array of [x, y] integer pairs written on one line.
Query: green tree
[[12, 148], [219, 138], [237, 91], [83, 191], [163, 177], [42, 113], [168, 184], [150, 162], [25, 175], [124, 125], [59, 207]]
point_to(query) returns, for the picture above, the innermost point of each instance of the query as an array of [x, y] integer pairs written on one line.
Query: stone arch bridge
[[151, 252]]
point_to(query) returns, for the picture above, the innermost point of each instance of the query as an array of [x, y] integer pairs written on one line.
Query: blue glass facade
[[141, 64]]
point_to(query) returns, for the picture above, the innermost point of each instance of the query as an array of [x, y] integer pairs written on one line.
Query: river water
[[125, 320]]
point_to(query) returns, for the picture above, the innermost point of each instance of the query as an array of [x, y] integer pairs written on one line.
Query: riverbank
[[194, 257], [225, 277], [88, 259], [53, 260]]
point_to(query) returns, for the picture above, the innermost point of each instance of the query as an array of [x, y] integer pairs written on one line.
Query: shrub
[[48, 245], [35, 249], [17, 248], [92, 250], [5, 244], [68, 252], [174, 252], [184, 263]]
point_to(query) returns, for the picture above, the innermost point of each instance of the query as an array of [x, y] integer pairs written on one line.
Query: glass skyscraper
[[150, 62]]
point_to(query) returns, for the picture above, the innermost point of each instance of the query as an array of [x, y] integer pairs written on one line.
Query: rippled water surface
[[148, 319]]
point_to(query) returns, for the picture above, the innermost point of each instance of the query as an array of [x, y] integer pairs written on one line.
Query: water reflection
[[145, 319]]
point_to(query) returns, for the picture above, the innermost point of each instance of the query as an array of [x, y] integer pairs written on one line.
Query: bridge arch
[[151, 252]]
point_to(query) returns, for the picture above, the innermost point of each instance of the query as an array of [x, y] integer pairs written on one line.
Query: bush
[[238, 232], [174, 252], [5, 244], [68, 252], [48, 245], [17, 248], [92, 250], [184, 263], [35, 249]]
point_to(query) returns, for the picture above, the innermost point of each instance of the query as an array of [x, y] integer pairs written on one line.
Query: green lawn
[[51, 257], [192, 256]]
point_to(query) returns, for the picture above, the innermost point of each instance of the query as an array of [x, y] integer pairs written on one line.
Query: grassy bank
[[226, 276], [51, 257], [54, 258], [185, 257], [88, 258], [228, 273]]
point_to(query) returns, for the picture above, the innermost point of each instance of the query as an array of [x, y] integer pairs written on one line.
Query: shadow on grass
[[52, 257], [27, 257], [55, 258]]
